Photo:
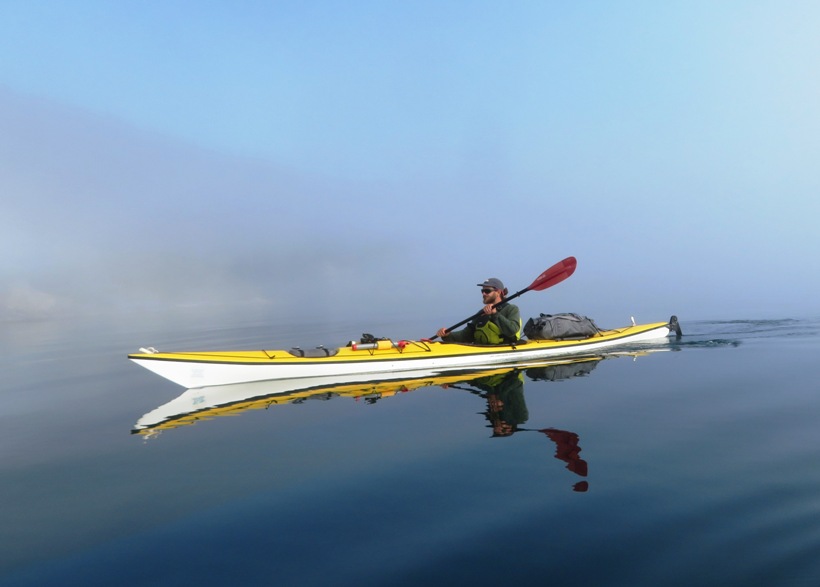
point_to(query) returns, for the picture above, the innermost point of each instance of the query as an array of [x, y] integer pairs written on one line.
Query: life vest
[[488, 332]]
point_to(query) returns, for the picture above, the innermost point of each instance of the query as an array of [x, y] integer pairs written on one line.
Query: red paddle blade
[[555, 274]]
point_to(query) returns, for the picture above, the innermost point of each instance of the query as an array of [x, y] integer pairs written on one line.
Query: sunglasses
[[487, 290]]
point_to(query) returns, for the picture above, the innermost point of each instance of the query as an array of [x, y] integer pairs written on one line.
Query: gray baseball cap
[[492, 282]]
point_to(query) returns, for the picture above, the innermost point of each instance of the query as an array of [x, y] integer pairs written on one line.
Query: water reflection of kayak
[[208, 402], [213, 368], [205, 403]]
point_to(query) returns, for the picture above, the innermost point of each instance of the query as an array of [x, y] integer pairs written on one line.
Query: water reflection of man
[[506, 408]]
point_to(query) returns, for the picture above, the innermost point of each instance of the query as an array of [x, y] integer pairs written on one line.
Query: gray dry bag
[[559, 326]]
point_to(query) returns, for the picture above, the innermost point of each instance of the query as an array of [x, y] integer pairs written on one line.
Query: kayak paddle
[[552, 276]]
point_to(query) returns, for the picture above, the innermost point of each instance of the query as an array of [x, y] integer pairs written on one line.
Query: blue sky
[[327, 159]]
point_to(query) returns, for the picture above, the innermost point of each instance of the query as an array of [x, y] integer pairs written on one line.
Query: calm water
[[695, 466]]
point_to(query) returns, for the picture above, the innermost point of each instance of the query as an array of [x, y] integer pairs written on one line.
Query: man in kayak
[[499, 322]]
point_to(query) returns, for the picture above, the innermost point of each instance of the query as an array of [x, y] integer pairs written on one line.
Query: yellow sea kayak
[[213, 368]]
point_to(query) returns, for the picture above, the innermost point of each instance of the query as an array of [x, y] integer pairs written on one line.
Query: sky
[[371, 159]]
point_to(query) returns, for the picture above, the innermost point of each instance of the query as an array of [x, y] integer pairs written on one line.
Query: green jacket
[[507, 318]]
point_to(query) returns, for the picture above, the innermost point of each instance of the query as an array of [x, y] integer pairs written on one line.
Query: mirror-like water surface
[[693, 464]]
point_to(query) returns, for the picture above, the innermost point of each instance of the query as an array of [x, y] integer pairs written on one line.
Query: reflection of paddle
[[552, 276], [567, 450]]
